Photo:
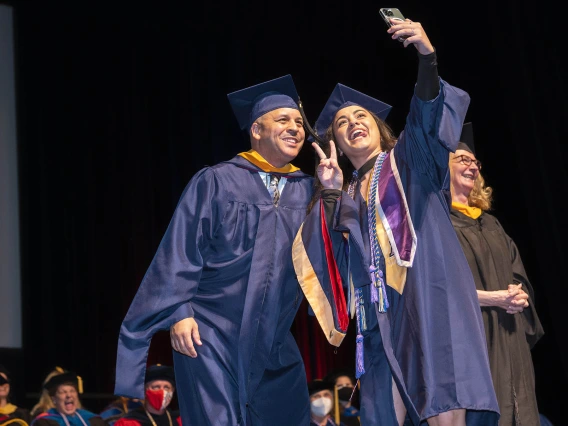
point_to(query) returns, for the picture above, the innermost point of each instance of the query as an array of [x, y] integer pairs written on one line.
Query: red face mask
[[158, 399]]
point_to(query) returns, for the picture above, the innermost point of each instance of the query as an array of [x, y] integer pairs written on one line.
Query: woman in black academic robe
[[505, 294]]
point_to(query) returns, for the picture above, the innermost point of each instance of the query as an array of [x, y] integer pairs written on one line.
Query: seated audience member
[[64, 389], [322, 403], [119, 407], [45, 402], [9, 411], [347, 396], [159, 388]]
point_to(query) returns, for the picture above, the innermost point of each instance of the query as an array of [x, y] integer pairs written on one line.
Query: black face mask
[[344, 394]]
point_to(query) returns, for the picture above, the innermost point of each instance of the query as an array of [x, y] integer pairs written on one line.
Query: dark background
[[119, 104]]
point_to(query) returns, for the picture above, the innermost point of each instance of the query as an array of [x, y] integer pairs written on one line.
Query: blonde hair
[[481, 196], [45, 399]]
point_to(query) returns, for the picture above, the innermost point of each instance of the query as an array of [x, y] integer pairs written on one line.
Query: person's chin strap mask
[[158, 399]]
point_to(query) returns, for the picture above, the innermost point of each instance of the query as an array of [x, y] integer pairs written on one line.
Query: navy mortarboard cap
[[65, 378], [318, 385], [160, 372], [466, 138], [250, 103], [343, 96]]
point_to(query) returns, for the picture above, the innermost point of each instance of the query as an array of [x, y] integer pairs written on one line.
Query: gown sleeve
[[165, 293], [533, 327], [432, 130]]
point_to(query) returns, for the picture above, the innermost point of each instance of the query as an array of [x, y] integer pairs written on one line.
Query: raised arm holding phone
[[379, 248]]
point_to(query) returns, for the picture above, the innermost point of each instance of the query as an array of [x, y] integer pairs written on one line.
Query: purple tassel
[[359, 363], [374, 293]]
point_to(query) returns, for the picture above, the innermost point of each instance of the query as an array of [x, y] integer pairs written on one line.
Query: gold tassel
[[336, 404], [59, 369], [79, 384]]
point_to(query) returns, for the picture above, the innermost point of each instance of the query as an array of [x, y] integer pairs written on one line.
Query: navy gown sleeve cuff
[[329, 199], [183, 312]]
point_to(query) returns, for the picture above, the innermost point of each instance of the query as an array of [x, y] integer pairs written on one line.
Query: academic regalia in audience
[[119, 407], [13, 412], [323, 404], [159, 388], [64, 389], [12, 421], [79, 418], [9, 411], [141, 417], [45, 401]]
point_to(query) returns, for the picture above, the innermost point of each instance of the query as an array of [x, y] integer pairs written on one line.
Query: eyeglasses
[[466, 161]]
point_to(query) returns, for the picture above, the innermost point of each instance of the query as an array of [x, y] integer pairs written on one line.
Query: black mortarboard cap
[[333, 375], [319, 385], [343, 96], [3, 380], [250, 103], [160, 372], [67, 377], [466, 138]]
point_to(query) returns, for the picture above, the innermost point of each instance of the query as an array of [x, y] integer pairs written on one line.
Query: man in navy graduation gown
[[223, 282]]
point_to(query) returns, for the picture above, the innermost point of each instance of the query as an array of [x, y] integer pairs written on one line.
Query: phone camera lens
[[389, 12]]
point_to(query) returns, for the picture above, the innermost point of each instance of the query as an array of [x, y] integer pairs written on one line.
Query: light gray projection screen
[[10, 293]]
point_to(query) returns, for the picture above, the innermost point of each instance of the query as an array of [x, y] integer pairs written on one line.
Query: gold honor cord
[[336, 404], [152, 418], [15, 421]]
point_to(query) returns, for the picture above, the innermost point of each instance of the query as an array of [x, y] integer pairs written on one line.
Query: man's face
[[66, 399], [321, 394], [164, 385], [279, 135], [321, 403], [159, 393]]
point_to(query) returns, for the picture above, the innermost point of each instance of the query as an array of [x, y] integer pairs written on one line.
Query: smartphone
[[388, 13]]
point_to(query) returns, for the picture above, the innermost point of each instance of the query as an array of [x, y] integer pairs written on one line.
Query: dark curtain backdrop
[[119, 104]]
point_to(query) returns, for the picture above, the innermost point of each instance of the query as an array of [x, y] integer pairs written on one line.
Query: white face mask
[[321, 406], [167, 399]]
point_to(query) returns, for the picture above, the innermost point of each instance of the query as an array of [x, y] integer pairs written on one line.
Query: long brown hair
[[388, 141]]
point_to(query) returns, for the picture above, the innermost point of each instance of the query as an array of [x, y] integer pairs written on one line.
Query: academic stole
[[391, 233]]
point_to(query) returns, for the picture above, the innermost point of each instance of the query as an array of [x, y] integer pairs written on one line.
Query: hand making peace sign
[[329, 172]]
